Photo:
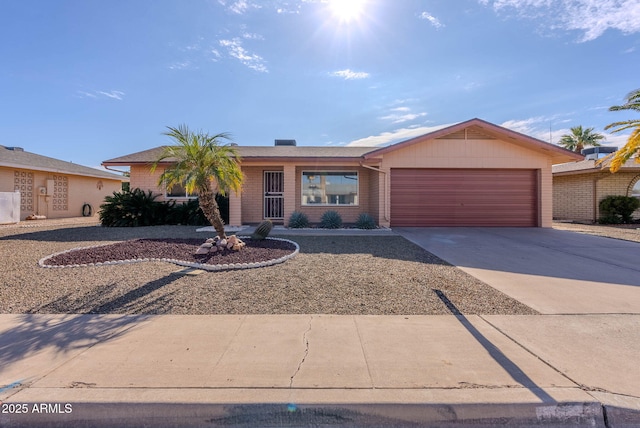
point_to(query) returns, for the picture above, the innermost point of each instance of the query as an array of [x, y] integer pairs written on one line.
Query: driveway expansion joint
[[548, 364]]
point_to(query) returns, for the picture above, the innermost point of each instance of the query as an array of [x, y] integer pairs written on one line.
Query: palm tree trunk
[[209, 206]]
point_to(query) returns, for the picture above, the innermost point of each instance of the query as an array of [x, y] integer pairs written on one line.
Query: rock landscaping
[[345, 275], [213, 254]]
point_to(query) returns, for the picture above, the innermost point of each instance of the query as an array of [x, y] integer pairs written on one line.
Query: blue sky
[[89, 80]]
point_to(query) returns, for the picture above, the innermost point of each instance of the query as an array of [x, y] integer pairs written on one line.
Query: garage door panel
[[460, 197]]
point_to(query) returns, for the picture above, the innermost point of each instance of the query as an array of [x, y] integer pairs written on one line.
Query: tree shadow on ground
[[516, 373], [60, 334], [99, 233], [388, 247], [51, 331], [94, 302]]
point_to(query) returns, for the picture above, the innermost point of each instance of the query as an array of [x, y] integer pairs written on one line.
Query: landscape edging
[[202, 266]]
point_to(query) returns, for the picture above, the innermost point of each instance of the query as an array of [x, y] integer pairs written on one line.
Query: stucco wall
[[65, 193], [576, 197]]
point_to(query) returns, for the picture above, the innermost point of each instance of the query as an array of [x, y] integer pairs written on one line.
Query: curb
[[286, 415]]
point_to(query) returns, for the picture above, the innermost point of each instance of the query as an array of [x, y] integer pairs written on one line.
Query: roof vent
[[285, 142], [598, 152], [15, 149]]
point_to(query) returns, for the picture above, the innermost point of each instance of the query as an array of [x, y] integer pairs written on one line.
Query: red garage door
[[464, 197]]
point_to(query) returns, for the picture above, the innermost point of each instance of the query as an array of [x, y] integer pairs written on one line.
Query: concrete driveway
[[552, 271]]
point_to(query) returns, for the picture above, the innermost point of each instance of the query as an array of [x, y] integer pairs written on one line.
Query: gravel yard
[[378, 275], [627, 232]]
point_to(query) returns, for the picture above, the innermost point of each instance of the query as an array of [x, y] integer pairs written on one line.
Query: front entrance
[[273, 195]]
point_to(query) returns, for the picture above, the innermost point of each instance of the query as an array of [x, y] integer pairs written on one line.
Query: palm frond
[[631, 148]]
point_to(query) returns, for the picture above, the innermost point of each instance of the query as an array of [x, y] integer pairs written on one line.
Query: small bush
[[618, 209], [365, 221], [298, 220], [331, 220]]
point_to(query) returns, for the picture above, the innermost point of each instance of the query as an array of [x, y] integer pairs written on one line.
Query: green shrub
[[132, 208], [262, 231], [365, 221], [187, 213], [223, 206], [331, 220], [298, 220], [140, 208], [618, 209]]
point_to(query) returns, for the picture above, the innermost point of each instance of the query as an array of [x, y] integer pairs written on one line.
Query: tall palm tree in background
[[198, 162], [580, 138], [633, 143]]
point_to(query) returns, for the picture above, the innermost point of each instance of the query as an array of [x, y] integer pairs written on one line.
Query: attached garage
[[464, 197], [472, 174]]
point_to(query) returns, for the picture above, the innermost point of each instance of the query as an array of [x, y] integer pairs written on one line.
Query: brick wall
[[253, 193], [142, 177], [576, 197], [573, 197], [349, 213]]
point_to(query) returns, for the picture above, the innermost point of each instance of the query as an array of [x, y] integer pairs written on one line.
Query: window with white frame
[[329, 188]]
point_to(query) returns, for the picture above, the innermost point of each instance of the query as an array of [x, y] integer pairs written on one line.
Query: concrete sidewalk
[[302, 370]]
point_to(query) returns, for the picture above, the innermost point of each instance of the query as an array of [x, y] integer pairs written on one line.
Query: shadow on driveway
[[533, 251]]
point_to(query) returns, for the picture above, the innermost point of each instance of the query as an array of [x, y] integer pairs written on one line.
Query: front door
[[273, 195]]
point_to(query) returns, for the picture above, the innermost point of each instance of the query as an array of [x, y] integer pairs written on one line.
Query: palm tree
[[580, 138], [198, 160], [633, 143]]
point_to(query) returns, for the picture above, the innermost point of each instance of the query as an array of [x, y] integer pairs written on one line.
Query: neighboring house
[[471, 174], [51, 187], [578, 187]]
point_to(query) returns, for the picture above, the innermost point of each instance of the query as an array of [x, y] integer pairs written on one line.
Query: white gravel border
[[202, 266]]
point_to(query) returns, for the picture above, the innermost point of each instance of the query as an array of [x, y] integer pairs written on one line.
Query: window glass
[[635, 191], [178, 191], [329, 188]]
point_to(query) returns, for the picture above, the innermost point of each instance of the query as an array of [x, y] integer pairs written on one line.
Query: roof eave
[[557, 154], [61, 171]]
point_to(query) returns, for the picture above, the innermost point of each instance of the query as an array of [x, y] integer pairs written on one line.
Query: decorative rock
[[222, 243], [210, 241], [206, 245], [202, 250], [213, 249]]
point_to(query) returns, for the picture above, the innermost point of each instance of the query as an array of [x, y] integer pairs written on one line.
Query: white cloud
[[400, 118], [180, 65], [397, 135], [236, 50], [252, 36], [114, 95], [239, 7], [401, 114], [526, 126], [432, 19], [348, 74], [591, 17]]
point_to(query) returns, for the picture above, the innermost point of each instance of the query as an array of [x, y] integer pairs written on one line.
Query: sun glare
[[347, 10]]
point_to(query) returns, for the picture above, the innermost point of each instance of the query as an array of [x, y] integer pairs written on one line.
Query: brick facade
[[576, 196]]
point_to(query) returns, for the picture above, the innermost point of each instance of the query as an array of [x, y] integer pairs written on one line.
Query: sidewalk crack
[[305, 342]]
